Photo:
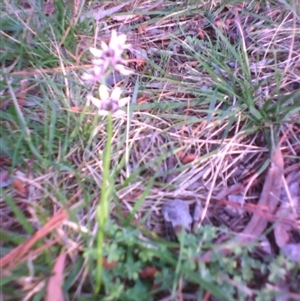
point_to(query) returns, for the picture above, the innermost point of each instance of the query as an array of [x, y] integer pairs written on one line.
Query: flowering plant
[[108, 58], [109, 103]]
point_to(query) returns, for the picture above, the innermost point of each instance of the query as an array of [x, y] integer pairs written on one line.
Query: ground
[[200, 104]]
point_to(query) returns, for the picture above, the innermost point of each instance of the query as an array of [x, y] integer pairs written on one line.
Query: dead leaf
[[188, 158], [281, 235], [142, 28], [24, 250], [148, 273], [20, 187], [55, 284], [4, 161], [18, 254], [197, 211], [292, 251], [219, 24], [269, 198], [76, 109], [176, 216], [236, 199], [5, 179], [281, 230], [185, 159], [265, 245], [108, 265], [201, 34], [288, 210]]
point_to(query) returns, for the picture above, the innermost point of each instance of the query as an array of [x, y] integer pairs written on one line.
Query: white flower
[[114, 49], [109, 103], [109, 55]]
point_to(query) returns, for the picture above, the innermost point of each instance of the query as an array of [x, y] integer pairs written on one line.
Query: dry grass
[[217, 83]]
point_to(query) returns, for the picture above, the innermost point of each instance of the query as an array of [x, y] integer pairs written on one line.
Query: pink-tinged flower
[[109, 103], [109, 55]]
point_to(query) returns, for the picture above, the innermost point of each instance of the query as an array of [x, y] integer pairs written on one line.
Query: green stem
[[103, 206]]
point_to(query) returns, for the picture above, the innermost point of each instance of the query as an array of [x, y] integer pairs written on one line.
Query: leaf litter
[[55, 283]]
